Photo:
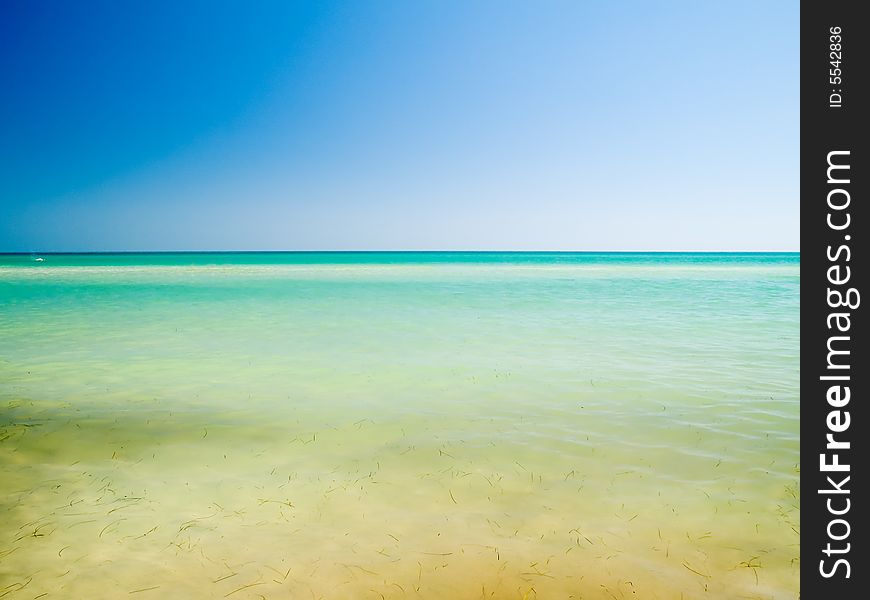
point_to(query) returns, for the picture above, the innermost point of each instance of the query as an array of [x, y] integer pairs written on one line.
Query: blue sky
[[399, 125]]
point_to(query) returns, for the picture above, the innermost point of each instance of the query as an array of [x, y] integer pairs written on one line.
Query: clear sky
[[182, 125]]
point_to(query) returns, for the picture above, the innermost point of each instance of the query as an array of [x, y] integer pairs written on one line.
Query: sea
[[386, 425]]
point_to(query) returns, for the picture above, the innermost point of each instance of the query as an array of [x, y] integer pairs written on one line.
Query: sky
[[426, 125]]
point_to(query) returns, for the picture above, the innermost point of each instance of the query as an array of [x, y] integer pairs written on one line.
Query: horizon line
[[396, 251]]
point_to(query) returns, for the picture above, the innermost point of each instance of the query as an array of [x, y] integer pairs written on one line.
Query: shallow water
[[390, 425]]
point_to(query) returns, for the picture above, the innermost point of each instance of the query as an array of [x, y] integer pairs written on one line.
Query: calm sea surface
[[399, 425]]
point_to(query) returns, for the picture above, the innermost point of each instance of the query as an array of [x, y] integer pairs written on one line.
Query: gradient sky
[[399, 125]]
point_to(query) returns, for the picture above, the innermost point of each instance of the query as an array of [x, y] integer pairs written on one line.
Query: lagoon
[[391, 425]]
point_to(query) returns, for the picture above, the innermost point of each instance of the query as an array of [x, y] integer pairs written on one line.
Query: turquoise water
[[391, 425]]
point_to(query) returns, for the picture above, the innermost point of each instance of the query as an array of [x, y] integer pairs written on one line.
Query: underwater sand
[[440, 426]]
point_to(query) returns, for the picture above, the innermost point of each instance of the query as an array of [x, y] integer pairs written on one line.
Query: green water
[[399, 425]]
